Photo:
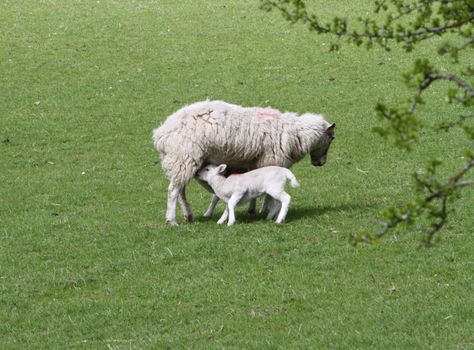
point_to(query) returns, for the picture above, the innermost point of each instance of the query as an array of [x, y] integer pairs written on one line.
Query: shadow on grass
[[296, 213], [241, 216], [310, 212]]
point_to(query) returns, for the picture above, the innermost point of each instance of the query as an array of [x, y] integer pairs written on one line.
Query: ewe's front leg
[[234, 199], [267, 203], [252, 211], [273, 208]]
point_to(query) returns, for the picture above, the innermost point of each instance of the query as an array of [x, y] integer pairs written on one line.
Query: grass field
[[86, 260]]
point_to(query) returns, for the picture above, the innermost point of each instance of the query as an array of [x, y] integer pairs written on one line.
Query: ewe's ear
[[221, 168], [331, 129]]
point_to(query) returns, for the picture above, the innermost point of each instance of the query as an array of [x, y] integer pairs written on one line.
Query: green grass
[[85, 258]]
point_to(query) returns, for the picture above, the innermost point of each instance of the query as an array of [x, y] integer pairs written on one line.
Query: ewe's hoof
[[171, 223], [190, 218], [252, 213]]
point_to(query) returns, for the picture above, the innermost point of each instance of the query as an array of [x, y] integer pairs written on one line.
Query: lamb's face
[[206, 173], [319, 153]]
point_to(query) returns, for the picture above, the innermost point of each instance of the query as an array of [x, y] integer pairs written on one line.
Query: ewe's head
[[320, 149], [210, 171]]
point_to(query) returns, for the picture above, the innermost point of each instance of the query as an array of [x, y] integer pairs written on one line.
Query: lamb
[[215, 132], [215, 199], [241, 188]]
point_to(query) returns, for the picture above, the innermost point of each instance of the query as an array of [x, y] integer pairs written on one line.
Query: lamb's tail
[[292, 178]]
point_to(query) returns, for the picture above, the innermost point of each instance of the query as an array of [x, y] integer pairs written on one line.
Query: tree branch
[[432, 77], [466, 44], [410, 212], [300, 14]]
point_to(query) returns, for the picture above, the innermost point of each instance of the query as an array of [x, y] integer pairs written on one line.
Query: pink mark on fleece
[[268, 113]]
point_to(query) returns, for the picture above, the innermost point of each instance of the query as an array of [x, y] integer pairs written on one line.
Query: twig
[[442, 193], [432, 77]]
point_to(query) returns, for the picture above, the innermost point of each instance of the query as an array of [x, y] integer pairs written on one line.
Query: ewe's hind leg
[[173, 193], [212, 206], [180, 170], [185, 207], [252, 211]]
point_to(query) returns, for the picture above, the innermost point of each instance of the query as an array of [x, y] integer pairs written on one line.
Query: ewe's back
[[217, 124], [222, 132]]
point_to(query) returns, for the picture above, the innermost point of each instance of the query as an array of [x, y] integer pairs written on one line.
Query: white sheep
[[241, 188], [215, 132]]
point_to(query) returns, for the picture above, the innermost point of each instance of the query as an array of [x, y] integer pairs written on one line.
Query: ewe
[[215, 132], [241, 188]]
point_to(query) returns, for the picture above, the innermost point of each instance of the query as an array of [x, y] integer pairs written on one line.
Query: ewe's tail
[[292, 178]]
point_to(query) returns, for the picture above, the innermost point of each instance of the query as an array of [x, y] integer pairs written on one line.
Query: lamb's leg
[[173, 193], [212, 206], [234, 199], [224, 216], [285, 199], [185, 207]]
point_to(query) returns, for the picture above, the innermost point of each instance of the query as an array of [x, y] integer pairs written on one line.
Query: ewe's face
[[206, 173], [320, 151]]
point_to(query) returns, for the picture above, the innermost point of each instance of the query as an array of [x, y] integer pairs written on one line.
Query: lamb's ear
[[221, 168], [331, 129]]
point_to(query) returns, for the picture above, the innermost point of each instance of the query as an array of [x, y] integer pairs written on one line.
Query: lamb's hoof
[[171, 223], [230, 223], [220, 222], [207, 215]]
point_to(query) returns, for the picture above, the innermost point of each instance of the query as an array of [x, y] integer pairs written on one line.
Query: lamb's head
[[209, 171], [320, 148]]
